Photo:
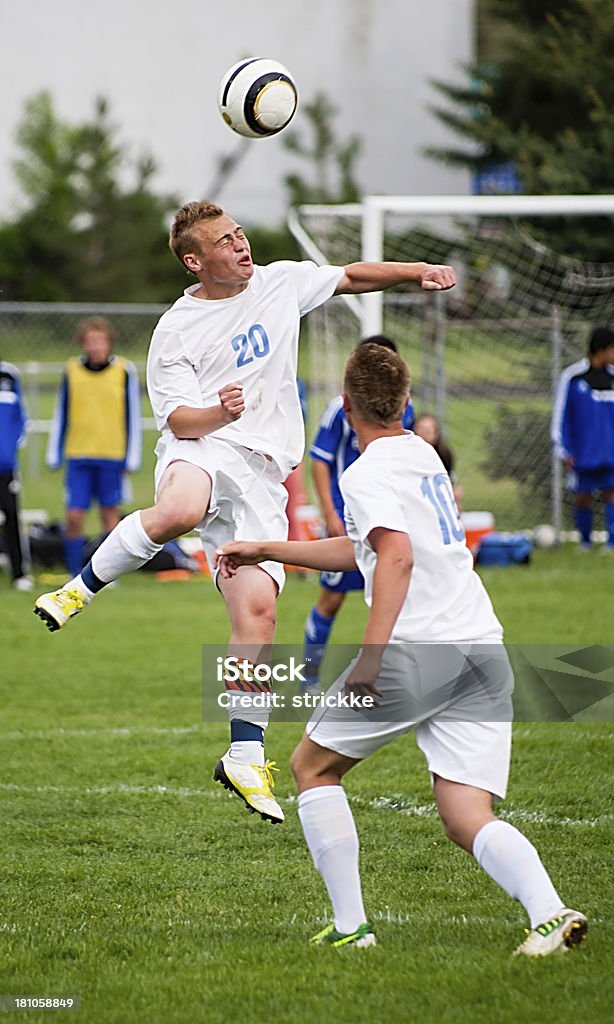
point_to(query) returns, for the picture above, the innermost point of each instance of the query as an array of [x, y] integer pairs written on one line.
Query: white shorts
[[248, 498], [462, 719]]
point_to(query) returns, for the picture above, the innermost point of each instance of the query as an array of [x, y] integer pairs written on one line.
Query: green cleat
[[329, 936], [557, 935]]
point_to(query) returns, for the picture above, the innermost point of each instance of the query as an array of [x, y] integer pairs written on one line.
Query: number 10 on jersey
[[438, 490]]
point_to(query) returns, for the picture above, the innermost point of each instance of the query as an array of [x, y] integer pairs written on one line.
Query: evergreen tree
[[84, 235], [541, 96], [332, 161]]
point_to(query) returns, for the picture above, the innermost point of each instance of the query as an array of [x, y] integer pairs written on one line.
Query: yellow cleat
[[57, 608], [253, 783]]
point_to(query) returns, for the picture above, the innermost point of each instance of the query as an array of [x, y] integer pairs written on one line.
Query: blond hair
[[376, 381], [182, 238], [95, 323]]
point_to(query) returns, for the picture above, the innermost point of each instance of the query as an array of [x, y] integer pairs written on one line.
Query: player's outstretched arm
[[376, 277], [335, 554], [188, 423]]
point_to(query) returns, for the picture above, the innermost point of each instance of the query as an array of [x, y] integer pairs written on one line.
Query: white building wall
[[159, 63]]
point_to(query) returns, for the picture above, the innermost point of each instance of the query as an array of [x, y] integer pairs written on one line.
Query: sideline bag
[[504, 549]]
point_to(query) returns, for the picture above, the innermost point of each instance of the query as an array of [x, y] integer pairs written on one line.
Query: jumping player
[[221, 378], [432, 661]]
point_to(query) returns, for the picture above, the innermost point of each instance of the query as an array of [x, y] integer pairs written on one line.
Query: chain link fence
[[489, 379], [39, 337]]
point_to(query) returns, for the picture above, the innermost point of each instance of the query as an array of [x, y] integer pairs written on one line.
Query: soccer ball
[[544, 536], [257, 97]]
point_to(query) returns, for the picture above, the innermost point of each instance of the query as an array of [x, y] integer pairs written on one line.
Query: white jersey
[[199, 345], [400, 483]]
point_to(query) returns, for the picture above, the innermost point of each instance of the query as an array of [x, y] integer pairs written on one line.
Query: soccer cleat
[[557, 935], [253, 783], [329, 936], [57, 608]]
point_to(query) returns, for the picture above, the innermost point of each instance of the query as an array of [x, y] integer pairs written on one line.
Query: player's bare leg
[[330, 834], [183, 499], [511, 861], [109, 517], [250, 598]]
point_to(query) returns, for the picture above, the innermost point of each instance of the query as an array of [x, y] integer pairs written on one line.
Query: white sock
[[126, 548], [248, 751], [77, 584], [332, 839], [513, 863]]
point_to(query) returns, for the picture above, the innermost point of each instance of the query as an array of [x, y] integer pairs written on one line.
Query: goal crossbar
[[372, 210], [511, 283]]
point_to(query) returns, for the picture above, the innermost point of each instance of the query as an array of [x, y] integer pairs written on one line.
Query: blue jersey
[[583, 416], [12, 417], [336, 444]]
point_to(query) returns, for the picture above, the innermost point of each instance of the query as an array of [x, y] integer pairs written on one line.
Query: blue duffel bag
[[504, 549]]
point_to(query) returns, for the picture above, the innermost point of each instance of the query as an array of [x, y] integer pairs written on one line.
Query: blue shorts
[[88, 480], [587, 481], [342, 582]]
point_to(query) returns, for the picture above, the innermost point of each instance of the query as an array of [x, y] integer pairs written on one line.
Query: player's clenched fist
[[232, 401], [437, 278]]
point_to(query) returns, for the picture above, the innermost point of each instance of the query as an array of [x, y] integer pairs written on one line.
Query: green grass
[[131, 880]]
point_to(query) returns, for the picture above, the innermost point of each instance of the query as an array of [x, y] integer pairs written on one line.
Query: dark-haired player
[[582, 432]]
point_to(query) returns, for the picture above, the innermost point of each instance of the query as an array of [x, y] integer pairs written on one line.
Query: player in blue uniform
[[12, 435], [582, 432], [334, 448]]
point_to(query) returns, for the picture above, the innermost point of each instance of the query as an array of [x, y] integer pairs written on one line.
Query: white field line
[[396, 803], [305, 922], [119, 789], [120, 731], [128, 731]]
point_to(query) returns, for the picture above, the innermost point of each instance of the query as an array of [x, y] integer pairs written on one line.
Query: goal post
[[374, 209], [486, 355]]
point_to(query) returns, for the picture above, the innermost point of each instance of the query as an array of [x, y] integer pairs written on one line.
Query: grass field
[[132, 881]]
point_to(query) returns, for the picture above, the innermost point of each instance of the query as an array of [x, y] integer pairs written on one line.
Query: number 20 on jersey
[[250, 346]]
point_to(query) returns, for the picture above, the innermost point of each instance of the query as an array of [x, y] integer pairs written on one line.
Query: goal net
[[485, 356]]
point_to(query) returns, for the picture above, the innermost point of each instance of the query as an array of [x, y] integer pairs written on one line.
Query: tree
[[518, 448], [541, 97], [84, 235], [333, 161]]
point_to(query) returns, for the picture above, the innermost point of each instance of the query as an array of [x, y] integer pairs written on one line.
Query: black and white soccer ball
[[257, 97], [545, 536]]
